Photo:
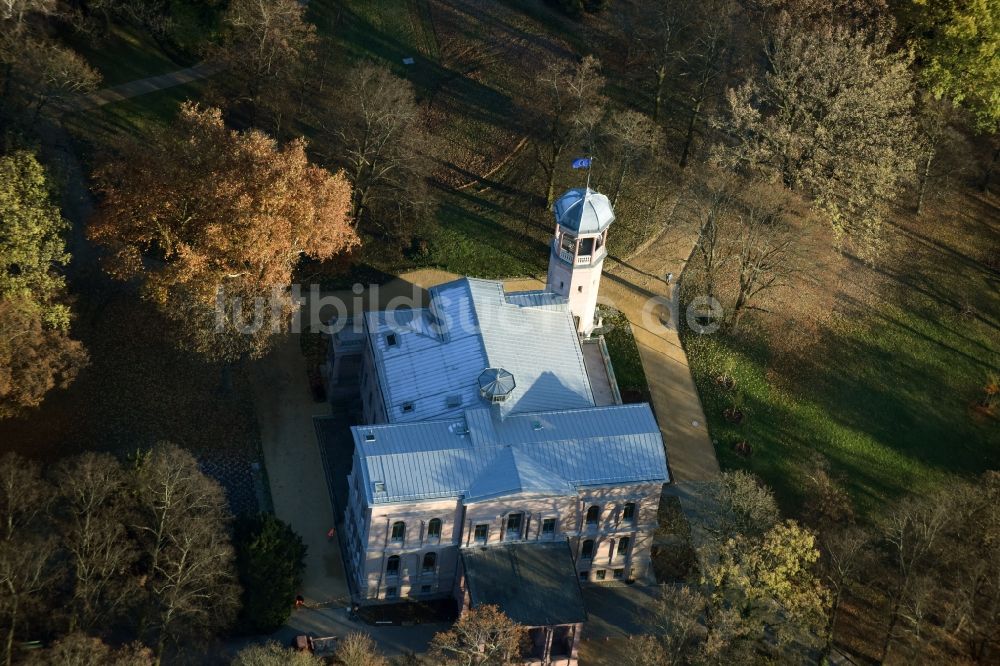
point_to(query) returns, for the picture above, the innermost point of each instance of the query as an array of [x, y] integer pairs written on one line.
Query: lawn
[[128, 53], [101, 126], [886, 394], [625, 358]]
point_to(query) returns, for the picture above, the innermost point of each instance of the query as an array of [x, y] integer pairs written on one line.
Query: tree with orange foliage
[[215, 221]]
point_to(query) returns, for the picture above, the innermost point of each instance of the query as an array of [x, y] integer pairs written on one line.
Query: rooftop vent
[[496, 385], [379, 487]]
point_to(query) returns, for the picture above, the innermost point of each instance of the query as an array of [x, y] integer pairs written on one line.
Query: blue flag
[[581, 163]]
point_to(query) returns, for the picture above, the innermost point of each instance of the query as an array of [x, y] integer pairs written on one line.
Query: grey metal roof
[[482, 455], [537, 299], [438, 352], [535, 584], [583, 211]]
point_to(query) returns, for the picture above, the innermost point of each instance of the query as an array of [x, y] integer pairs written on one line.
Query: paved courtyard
[[285, 410]]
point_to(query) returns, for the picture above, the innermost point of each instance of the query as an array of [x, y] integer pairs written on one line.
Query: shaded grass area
[[625, 359], [886, 393], [99, 128], [139, 389], [127, 53]]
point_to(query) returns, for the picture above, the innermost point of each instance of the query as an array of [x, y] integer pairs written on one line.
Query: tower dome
[[496, 384], [583, 211]]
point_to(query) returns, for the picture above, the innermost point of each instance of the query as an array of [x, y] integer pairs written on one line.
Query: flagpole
[[590, 165]]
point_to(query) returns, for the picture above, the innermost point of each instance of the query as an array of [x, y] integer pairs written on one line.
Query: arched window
[[623, 544], [593, 515], [398, 531], [587, 552], [392, 566], [430, 560], [434, 528]]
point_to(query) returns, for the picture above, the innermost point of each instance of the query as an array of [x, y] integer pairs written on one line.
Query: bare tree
[[569, 107], [358, 649], [843, 554], [273, 654], [632, 136], [934, 134], [704, 61], [92, 509], [661, 34], [79, 649], [912, 534], [482, 635], [711, 198], [375, 130], [26, 552], [761, 248], [675, 625], [265, 50], [182, 526]]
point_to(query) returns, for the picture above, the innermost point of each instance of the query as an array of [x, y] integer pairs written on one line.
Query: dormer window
[[391, 339], [453, 401], [407, 407], [379, 487], [369, 436]]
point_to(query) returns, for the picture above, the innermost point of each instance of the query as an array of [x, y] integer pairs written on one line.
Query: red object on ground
[[331, 533]]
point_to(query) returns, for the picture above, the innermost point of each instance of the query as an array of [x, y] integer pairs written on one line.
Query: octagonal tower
[[578, 250]]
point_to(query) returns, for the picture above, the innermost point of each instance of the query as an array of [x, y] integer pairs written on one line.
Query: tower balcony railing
[[580, 259]]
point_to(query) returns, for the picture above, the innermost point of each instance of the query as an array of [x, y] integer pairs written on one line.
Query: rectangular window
[[619, 574], [453, 401], [391, 340], [548, 527], [601, 573], [584, 575], [482, 533], [514, 526], [623, 545], [628, 513]]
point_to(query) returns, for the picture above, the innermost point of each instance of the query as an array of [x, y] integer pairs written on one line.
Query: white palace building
[[497, 463]]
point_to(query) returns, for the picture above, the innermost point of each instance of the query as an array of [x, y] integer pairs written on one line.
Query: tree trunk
[[985, 184], [661, 75], [621, 181], [893, 620], [8, 648], [924, 177], [695, 112], [550, 193]]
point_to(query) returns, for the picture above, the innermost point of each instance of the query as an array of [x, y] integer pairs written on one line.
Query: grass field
[[886, 393], [127, 53]]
